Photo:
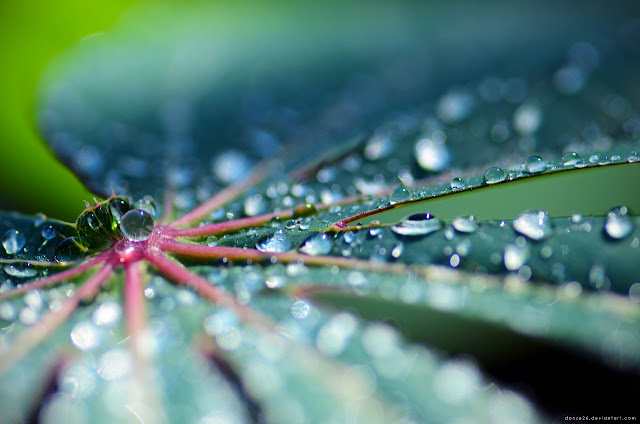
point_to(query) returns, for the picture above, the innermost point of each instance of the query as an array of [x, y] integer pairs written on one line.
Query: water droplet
[[617, 224], [535, 164], [515, 257], [300, 309], [13, 241], [317, 244], [527, 119], [534, 224], [137, 225], [212, 241], [571, 159], [399, 195], [465, 224], [455, 106], [21, 270], [494, 175], [70, 249], [118, 208], [48, 232], [276, 243], [432, 156], [457, 183], [417, 225]]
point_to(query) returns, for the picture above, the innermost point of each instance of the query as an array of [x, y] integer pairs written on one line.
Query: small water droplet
[[137, 225], [212, 241], [399, 195], [276, 243], [21, 270], [48, 232], [617, 224], [527, 119], [397, 250], [457, 183], [432, 156], [417, 225], [300, 309], [494, 175], [534, 224], [465, 224], [515, 257], [317, 244], [571, 159], [13, 241], [535, 164]]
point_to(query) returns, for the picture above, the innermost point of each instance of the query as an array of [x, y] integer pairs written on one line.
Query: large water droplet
[[399, 195], [617, 224], [571, 159], [137, 225], [494, 175], [13, 241], [417, 225], [534, 224], [535, 164], [21, 270], [432, 156], [276, 243], [317, 244], [457, 183], [465, 224]]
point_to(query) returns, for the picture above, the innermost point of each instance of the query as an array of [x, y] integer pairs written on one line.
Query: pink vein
[[33, 335], [224, 196], [55, 278], [239, 254], [134, 301], [239, 224]]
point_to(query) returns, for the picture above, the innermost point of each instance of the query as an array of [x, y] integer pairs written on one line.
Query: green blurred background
[[32, 33]]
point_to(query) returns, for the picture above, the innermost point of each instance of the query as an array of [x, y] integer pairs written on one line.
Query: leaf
[[272, 295]]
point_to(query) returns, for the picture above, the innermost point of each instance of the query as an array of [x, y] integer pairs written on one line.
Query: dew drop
[[534, 224], [300, 309], [317, 244], [535, 164], [417, 225], [617, 224], [457, 183], [571, 159], [21, 270], [399, 195], [465, 224], [137, 225], [48, 232], [276, 243], [212, 241], [13, 241], [432, 156], [494, 175]]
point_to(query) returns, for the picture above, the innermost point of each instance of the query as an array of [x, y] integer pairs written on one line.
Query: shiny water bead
[[618, 224], [137, 225], [13, 241], [21, 270], [465, 224], [432, 156], [317, 244], [535, 164], [118, 207], [399, 195], [276, 243], [48, 232], [417, 225], [70, 249], [494, 175], [571, 159], [457, 183], [536, 225]]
